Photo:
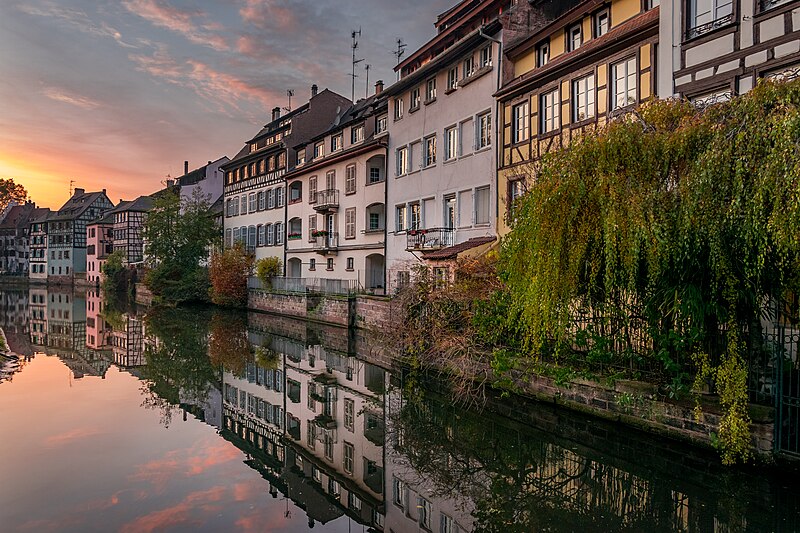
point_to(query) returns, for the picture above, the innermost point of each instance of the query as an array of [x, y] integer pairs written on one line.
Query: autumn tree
[[11, 192], [228, 275]]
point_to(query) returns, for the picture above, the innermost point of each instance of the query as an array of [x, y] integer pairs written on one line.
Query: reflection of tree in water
[[519, 478], [178, 366], [228, 345]]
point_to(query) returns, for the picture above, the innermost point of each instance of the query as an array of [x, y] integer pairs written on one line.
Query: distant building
[[14, 238], [206, 181], [255, 188], [66, 235], [441, 127], [336, 213], [38, 246], [129, 220], [99, 245]]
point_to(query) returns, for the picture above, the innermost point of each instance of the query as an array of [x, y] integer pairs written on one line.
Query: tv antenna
[[289, 93], [354, 34], [71, 184], [366, 91], [401, 50]]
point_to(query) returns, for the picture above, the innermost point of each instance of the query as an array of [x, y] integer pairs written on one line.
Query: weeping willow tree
[[684, 221]]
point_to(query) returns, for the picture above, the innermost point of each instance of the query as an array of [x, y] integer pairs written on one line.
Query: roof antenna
[[289, 93], [71, 183], [354, 46], [366, 91], [401, 50]]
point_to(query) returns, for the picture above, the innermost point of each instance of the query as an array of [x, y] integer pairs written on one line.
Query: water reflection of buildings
[[98, 331], [311, 420], [127, 342]]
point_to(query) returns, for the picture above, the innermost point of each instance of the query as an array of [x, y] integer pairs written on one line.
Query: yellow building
[[584, 64]]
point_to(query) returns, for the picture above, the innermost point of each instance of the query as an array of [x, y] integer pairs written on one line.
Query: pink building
[[99, 245], [98, 333]]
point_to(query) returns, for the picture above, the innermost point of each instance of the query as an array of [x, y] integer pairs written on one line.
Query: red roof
[[451, 252]]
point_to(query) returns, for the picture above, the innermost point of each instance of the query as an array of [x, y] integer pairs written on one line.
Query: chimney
[[379, 87], [79, 192], [314, 90], [170, 183], [185, 167], [104, 191], [276, 113]]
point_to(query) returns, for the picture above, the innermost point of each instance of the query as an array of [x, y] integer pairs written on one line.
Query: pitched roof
[[141, 204], [106, 219], [452, 252], [16, 216], [78, 204]]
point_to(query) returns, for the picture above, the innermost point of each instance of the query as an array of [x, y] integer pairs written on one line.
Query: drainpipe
[[497, 151]]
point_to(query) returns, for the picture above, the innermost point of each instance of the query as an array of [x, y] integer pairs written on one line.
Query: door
[[330, 226]]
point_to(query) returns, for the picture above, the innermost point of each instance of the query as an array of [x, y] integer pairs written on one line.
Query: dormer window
[[253, 147], [357, 134], [602, 22], [543, 54], [381, 123], [574, 37], [337, 142], [319, 150], [301, 157]]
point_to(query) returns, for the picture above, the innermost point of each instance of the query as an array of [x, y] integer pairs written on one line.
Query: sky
[[117, 95]]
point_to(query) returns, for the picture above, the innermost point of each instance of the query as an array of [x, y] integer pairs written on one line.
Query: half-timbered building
[[129, 220]]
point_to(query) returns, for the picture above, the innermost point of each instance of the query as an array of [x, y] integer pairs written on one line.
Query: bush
[[228, 275], [267, 268]]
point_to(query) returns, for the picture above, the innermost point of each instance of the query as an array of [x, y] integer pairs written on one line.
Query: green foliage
[[675, 221], [114, 273], [229, 271], [267, 268], [178, 236]]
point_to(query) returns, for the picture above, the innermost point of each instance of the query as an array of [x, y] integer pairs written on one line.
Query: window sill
[[373, 231], [413, 109], [351, 193], [451, 90], [483, 149], [549, 134], [464, 156], [398, 119], [349, 269], [773, 11], [429, 102], [475, 75], [375, 182], [708, 35], [449, 161]]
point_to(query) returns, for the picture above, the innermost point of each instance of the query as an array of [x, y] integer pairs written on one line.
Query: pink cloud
[[72, 435], [270, 13], [181, 514], [181, 21]]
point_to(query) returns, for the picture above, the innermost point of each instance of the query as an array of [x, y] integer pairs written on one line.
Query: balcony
[[326, 243], [327, 200], [429, 239]]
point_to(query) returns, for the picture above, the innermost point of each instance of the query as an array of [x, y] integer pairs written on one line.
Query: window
[[253, 200], [416, 216], [262, 201], [312, 190], [270, 234], [430, 151], [375, 175], [482, 205], [401, 217], [319, 150], [486, 57], [623, 83], [328, 443], [398, 108], [228, 238], [251, 237], [270, 199], [450, 143], [446, 524], [375, 220], [350, 223], [357, 134], [430, 90], [425, 511], [349, 414], [521, 126], [236, 206], [347, 461], [550, 106], [484, 132], [602, 22], [282, 160], [583, 98], [574, 37], [468, 67], [262, 166], [262, 236], [350, 267], [280, 192], [452, 79], [399, 492], [330, 179], [350, 179], [279, 233], [330, 264], [415, 99], [402, 161], [301, 157], [707, 15], [271, 164], [337, 142], [312, 264], [380, 125]]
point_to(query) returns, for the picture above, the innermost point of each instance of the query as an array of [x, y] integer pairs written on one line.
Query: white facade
[[336, 213], [206, 181], [442, 160]]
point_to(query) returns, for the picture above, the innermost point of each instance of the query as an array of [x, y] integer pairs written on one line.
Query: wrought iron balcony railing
[[326, 242], [429, 239], [327, 200]]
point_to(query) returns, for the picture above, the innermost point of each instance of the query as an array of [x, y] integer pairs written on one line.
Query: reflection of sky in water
[[83, 455]]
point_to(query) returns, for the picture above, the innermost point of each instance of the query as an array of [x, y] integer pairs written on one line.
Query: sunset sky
[[117, 95]]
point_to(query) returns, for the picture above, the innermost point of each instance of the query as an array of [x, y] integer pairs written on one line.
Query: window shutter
[[350, 223], [312, 227]]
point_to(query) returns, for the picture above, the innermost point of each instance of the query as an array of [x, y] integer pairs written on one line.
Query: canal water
[[121, 419]]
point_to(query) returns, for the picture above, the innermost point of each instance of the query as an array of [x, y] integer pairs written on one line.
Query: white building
[[255, 188], [441, 188], [336, 215]]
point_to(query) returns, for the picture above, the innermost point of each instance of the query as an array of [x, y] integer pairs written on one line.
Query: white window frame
[[521, 122], [429, 155], [483, 130], [451, 143], [550, 110], [401, 161], [628, 89], [583, 98], [398, 108]]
